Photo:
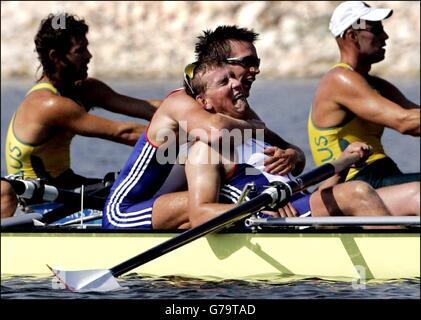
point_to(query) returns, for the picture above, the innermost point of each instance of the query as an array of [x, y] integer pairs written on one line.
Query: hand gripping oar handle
[[287, 189], [323, 172], [270, 197], [36, 190]]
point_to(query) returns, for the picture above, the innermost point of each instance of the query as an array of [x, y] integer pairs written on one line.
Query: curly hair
[[51, 35], [214, 45]]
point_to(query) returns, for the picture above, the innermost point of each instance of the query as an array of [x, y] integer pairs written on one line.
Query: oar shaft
[[221, 221]]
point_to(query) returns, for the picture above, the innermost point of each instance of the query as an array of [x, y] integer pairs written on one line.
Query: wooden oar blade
[[87, 280]]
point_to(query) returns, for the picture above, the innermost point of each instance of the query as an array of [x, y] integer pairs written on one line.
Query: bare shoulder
[[335, 94], [341, 78], [178, 102], [47, 105], [329, 85], [340, 83], [43, 99], [178, 96]]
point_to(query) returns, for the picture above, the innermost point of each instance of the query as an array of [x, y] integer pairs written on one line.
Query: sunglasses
[[374, 30], [246, 62], [189, 74]]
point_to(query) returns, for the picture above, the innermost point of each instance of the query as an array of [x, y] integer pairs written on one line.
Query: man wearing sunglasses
[[140, 187], [216, 179], [235, 46], [352, 105]]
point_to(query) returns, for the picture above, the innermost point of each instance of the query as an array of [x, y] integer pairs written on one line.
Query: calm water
[[284, 106], [184, 288]]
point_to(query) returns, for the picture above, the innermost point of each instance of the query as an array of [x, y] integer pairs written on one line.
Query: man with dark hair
[[225, 43], [352, 105], [136, 200], [235, 46], [57, 108]]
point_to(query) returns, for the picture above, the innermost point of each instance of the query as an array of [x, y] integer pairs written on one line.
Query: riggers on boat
[[271, 249], [274, 249]]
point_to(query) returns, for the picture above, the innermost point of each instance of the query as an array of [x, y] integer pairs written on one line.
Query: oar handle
[[34, 190], [37, 190], [345, 162], [323, 172]]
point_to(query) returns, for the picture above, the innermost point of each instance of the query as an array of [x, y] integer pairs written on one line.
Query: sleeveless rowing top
[[250, 168], [46, 160], [326, 144]]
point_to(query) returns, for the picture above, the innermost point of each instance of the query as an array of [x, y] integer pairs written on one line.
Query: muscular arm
[[353, 92], [97, 93], [204, 181], [392, 93], [188, 114], [64, 113]]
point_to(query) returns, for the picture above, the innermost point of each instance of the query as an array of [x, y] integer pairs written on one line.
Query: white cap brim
[[377, 14], [349, 12]]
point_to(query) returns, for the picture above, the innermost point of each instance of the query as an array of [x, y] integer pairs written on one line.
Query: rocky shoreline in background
[[156, 39]]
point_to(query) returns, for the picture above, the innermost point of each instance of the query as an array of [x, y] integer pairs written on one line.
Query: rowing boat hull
[[263, 256]]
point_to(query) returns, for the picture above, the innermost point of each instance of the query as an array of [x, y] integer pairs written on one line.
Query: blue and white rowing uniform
[[251, 169], [129, 204]]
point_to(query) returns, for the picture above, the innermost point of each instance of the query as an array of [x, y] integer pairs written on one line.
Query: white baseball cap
[[349, 12]]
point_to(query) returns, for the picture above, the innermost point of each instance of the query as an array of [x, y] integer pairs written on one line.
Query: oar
[[35, 190], [104, 280], [39, 192]]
